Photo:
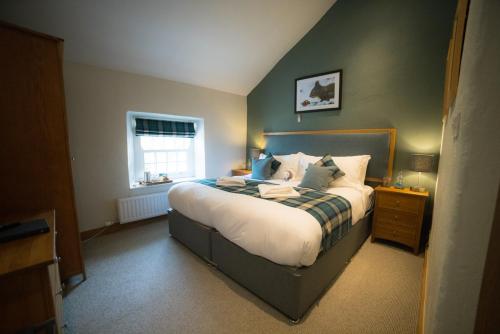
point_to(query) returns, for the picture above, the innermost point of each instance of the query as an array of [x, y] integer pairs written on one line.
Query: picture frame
[[318, 92]]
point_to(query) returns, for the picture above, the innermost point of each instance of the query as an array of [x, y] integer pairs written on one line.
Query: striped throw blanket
[[332, 212]]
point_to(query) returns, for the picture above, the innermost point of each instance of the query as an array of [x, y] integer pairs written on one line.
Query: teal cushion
[[275, 164], [261, 168], [327, 161], [318, 177]]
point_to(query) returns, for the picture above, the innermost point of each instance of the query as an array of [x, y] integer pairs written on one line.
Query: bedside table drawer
[[399, 218], [398, 226], [394, 234], [398, 202]]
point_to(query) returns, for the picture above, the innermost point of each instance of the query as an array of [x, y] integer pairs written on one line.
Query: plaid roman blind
[[156, 127]]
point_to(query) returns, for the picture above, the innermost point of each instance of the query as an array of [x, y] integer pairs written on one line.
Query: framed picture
[[318, 92]]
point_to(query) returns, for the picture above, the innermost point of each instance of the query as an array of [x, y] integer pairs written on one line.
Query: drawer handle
[[58, 259]]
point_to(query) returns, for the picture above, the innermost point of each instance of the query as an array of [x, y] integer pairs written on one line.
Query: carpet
[[143, 281]]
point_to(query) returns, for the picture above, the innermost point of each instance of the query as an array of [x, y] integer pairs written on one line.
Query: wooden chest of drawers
[[398, 216]]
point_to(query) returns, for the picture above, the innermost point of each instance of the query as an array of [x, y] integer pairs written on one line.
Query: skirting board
[[116, 227]]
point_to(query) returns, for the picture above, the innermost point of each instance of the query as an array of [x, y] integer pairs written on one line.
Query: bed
[[289, 280]]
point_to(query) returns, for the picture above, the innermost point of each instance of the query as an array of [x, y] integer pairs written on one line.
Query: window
[[164, 145], [168, 155]]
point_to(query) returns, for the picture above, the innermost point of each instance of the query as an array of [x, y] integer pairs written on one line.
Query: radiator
[[141, 207]]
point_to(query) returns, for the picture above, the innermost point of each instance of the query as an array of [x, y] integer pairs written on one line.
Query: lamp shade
[[255, 153], [422, 162]]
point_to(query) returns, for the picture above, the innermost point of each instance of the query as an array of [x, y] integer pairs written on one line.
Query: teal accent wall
[[393, 55]]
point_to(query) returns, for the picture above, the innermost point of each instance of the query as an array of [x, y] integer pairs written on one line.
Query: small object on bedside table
[[398, 215], [240, 172], [399, 181], [421, 163], [386, 181], [16, 230]]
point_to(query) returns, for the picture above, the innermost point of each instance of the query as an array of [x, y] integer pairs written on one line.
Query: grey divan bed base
[[290, 290]]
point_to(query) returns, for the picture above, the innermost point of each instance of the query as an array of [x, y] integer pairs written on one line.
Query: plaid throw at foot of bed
[[332, 212]]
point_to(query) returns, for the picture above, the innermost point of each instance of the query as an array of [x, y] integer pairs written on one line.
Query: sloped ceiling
[[229, 45]]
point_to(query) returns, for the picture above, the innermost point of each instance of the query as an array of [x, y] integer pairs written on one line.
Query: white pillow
[[304, 161], [289, 163], [354, 168]]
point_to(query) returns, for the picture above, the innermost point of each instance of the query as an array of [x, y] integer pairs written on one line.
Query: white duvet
[[282, 234]]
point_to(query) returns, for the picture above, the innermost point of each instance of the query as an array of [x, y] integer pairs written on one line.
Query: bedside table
[[240, 172], [398, 215]]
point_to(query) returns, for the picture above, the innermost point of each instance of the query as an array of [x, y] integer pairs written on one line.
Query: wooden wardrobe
[[35, 164]]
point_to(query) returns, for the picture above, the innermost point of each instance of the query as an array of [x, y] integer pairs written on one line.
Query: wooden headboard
[[379, 143]]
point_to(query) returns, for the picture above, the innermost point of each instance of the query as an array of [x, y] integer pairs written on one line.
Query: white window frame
[[195, 153]]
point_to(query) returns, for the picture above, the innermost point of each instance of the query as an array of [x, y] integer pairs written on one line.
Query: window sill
[[179, 180]]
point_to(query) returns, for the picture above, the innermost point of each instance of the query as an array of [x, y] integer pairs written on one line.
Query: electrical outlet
[[108, 223]]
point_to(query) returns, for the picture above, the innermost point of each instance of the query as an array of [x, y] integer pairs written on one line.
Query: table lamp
[[421, 163], [255, 153]]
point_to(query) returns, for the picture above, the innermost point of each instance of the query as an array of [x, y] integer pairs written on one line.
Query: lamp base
[[418, 189]]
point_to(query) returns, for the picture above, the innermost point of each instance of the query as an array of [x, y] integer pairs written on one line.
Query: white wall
[[468, 180], [97, 102]]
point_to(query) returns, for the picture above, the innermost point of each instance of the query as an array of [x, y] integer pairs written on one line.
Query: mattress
[[282, 234]]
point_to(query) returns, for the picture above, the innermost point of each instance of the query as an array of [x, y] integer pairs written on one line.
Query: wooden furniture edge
[[392, 141], [334, 131], [30, 31], [392, 148], [374, 179], [240, 171], [42, 214], [117, 227], [68, 274], [454, 55], [423, 298], [405, 191]]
